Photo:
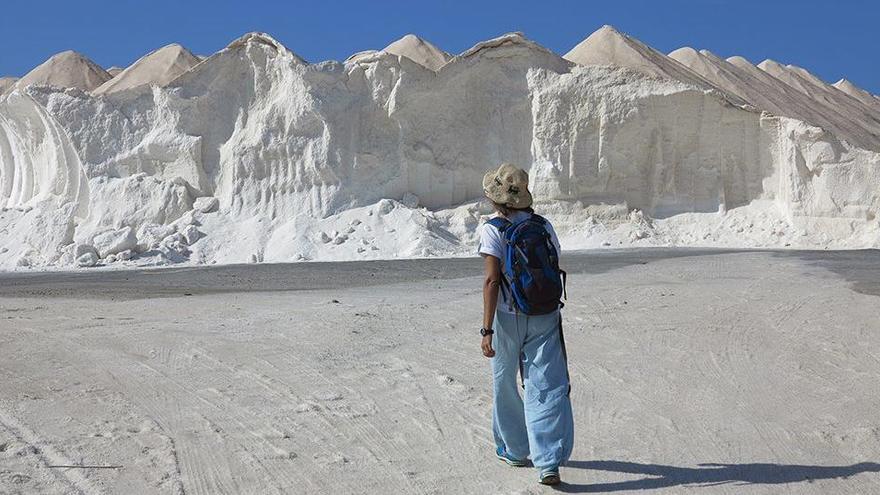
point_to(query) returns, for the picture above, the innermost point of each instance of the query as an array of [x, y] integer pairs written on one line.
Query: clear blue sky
[[832, 39]]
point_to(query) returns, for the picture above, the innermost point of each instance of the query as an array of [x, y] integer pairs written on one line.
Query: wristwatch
[[486, 331]]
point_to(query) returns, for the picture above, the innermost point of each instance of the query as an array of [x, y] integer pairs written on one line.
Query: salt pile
[[66, 70], [727, 77], [607, 46], [362, 55], [159, 68], [255, 155], [419, 51], [858, 93], [6, 83], [823, 93], [762, 91]]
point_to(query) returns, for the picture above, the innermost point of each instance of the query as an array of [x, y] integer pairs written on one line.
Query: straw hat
[[508, 185]]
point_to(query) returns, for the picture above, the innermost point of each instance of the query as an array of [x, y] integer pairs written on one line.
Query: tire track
[[48, 454]]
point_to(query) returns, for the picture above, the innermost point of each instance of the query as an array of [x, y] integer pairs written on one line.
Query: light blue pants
[[540, 423]]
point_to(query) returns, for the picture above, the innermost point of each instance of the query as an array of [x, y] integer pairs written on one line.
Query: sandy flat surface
[[737, 372]]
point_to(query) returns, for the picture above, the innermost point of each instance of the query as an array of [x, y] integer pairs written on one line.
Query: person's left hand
[[486, 345]]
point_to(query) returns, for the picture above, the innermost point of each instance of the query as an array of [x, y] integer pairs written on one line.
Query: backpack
[[530, 268]]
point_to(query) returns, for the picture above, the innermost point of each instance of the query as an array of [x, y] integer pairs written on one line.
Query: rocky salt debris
[[86, 255], [206, 204], [150, 235], [410, 200], [114, 241], [191, 234]]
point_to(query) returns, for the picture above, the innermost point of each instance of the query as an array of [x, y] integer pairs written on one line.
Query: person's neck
[[514, 213]]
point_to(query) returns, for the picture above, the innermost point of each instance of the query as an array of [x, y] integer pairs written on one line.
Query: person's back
[[541, 426]]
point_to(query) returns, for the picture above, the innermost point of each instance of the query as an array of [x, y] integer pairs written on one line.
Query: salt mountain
[[253, 154]]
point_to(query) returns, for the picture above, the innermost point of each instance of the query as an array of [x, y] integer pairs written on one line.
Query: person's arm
[[491, 284]]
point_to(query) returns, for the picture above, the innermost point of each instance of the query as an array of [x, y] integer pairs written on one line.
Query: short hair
[[505, 210]]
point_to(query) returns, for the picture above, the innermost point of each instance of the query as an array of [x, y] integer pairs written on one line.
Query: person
[[539, 424]]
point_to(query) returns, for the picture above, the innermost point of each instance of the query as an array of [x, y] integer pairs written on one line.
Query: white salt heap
[[419, 51], [159, 68], [66, 70], [255, 155]]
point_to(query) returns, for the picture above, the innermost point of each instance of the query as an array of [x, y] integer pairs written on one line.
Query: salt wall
[[273, 138]]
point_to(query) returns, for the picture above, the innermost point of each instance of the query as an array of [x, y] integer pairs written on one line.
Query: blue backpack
[[530, 267]]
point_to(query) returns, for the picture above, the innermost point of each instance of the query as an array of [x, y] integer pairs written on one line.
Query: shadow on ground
[[660, 476], [861, 268], [177, 281]]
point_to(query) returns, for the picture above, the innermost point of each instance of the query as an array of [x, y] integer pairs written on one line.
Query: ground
[[693, 372]]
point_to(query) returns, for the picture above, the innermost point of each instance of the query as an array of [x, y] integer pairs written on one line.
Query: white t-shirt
[[492, 243]]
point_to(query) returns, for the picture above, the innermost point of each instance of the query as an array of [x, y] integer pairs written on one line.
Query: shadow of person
[[660, 476]]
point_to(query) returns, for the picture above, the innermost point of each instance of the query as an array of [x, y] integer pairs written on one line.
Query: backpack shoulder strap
[[503, 225], [538, 218], [500, 223]]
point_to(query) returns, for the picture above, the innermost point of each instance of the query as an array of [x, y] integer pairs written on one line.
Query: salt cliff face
[[255, 155]]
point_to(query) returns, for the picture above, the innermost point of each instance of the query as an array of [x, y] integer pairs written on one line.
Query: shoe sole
[[511, 462], [550, 479]]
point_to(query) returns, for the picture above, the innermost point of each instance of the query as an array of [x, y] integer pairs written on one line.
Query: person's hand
[[486, 345]]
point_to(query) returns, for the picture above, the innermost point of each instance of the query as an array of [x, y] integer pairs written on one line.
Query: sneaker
[[509, 459], [549, 476]]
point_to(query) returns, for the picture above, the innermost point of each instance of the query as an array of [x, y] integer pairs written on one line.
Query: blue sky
[[832, 42]]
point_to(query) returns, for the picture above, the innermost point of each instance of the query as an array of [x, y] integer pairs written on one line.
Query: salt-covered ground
[[738, 372]]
